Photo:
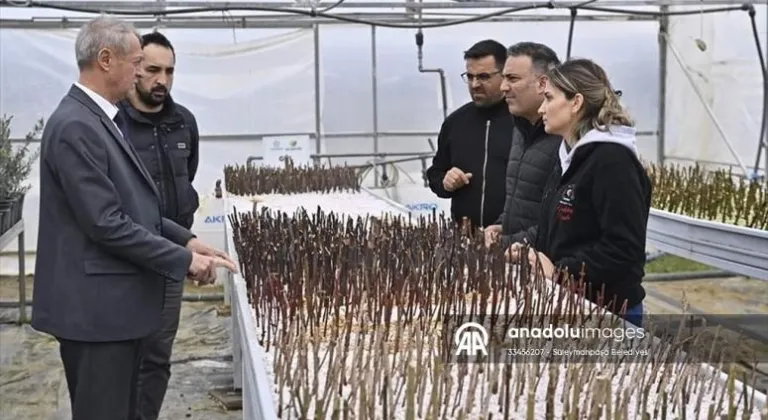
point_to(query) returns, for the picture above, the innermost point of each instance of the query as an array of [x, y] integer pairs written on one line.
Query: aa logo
[[471, 338]]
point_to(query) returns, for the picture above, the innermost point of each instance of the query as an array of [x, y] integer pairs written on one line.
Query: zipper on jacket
[[485, 165], [160, 164]]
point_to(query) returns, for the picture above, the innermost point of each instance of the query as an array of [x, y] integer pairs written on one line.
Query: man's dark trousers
[[114, 389], [155, 369]]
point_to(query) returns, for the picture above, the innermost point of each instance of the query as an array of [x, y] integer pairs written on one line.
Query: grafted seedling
[[709, 195], [357, 314]]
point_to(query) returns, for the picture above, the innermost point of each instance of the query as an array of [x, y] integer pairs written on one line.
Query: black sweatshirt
[[597, 214], [476, 140]]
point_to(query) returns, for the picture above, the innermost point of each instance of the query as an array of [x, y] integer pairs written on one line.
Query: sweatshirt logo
[[568, 194], [564, 208]]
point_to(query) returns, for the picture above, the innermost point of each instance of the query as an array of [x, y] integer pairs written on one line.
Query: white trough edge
[[250, 371], [737, 249], [392, 203], [249, 358]]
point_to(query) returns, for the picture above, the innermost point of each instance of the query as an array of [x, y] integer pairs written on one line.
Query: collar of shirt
[[106, 106]]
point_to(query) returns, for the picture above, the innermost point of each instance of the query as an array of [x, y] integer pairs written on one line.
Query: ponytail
[[601, 108], [611, 112]]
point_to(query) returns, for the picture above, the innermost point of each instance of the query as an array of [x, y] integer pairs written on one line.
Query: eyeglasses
[[481, 77]]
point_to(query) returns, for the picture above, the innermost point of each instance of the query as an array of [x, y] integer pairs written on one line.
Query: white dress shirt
[[109, 108]]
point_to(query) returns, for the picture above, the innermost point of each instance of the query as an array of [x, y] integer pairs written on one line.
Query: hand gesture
[[538, 259], [203, 267], [491, 234], [512, 254], [200, 247], [455, 178]]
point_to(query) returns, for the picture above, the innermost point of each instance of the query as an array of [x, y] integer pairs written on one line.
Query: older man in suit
[[104, 250]]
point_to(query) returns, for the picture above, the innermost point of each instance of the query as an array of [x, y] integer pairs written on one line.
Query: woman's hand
[[491, 234], [536, 258], [512, 254]]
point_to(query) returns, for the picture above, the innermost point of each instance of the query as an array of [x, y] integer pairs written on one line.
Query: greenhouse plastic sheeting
[[251, 81]]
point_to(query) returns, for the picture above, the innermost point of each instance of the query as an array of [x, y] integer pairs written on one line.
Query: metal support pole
[[22, 280], [662, 116], [763, 146], [708, 108], [574, 14], [161, 6], [318, 93], [375, 99], [17, 232]]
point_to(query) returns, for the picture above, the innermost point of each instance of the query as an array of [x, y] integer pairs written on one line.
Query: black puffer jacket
[[168, 144], [533, 159], [476, 140]]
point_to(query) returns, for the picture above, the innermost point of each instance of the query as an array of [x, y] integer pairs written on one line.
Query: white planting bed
[[348, 203], [262, 398]]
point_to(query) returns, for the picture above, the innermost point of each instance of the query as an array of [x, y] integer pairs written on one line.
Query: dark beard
[[148, 99]]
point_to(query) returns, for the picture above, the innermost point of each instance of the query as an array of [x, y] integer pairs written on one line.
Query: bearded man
[[165, 135]]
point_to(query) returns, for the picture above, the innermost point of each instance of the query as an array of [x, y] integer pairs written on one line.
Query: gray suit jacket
[[103, 249]]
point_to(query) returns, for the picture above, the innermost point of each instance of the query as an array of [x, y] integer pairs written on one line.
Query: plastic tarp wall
[[249, 82], [727, 74], [225, 83]]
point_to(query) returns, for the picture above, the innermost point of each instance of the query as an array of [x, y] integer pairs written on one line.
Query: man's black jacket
[[596, 216], [532, 160], [476, 140], [168, 144]]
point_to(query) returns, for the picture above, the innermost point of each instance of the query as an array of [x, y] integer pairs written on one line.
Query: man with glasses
[[473, 146]]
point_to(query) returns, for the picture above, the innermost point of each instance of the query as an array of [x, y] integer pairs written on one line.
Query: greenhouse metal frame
[[249, 372], [411, 14]]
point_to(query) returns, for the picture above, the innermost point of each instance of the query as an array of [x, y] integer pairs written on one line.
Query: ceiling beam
[[153, 5], [254, 22]]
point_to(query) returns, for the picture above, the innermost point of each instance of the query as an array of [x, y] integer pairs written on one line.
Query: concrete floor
[[32, 384]]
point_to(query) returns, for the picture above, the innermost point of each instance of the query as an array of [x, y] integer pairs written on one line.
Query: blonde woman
[[594, 217]]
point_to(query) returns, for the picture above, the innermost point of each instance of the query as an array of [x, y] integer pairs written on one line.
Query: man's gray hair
[[102, 32], [542, 57]]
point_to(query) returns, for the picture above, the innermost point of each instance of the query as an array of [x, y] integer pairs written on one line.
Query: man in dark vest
[[533, 158]]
